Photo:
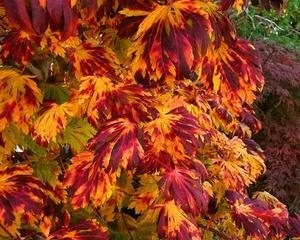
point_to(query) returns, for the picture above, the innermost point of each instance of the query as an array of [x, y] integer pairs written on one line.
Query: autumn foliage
[[130, 120], [279, 109]]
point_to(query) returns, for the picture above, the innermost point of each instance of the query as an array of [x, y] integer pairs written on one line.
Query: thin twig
[[275, 24], [5, 230], [126, 225]]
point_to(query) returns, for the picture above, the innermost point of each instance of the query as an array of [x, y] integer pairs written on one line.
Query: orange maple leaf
[[88, 181], [174, 223], [19, 99], [52, 120], [20, 193], [90, 59], [104, 98]]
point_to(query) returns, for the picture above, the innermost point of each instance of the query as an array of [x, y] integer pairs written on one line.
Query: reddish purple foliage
[[279, 109]]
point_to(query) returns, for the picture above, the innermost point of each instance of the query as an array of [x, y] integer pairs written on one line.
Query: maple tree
[[130, 120], [278, 107]]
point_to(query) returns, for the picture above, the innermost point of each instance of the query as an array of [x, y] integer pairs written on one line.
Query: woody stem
[[5, 230]]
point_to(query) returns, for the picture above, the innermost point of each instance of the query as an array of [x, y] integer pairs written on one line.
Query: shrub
[[130, 120]]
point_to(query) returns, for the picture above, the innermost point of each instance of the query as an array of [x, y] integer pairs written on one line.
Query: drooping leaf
[[185, 187], [173, 135], [103, 99], [88, 181], [233, 71], [84, 230], [119, 143], [170, 40], [146, 195], [174, 224], [16, 46], [256, 216]]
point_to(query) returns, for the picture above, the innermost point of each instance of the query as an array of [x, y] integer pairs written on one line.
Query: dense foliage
[[130, 120], [277, 38], [279, 109]]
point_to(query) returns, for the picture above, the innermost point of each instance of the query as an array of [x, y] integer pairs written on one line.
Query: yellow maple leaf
[[174, 223], [146, 195], [52, 120], [19, 99]]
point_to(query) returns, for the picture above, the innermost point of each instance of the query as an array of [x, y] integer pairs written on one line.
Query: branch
[[126, 225], [275, 24], [5, 230], [215, 231], [37, 72]]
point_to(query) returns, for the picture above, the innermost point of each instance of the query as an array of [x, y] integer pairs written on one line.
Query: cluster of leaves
[[279, 109], [130, 120], [271, 25]]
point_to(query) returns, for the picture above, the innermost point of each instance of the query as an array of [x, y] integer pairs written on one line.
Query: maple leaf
[[255, 215], [89, 59], [146, 195], [35, 17], [59, 94], [52, 120], [158, 95], [77, 134], [170, 40], [184, 186], [16, 46], [47, 170], [20, 193], [88, 181], [173, 224], [19, 99], [233, 70], [119, 143], [237, 4], [105, 99], [234, 163], [84, 230], [173, 132], [17, 15]]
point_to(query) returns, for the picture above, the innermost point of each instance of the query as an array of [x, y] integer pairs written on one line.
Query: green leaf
[[47, 170], [57, 93], [34, 147], [77, 133], [119, 236]]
